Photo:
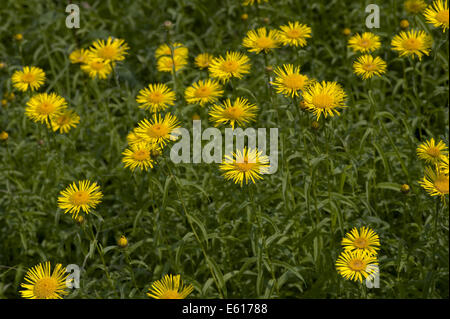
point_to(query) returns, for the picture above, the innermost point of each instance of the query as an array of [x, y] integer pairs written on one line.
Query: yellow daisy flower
[[179, 50], [367, 66], [443, 165], [45, 107], [261, 40], [289, 81], [235, 64], [170, 287], [431, 152], [247, 165], [41, 283], [414, 6], [158, 130], [367, 42], [65, 121], [356, 265], [167, 64], [140, 155], [28, 78], [203, 60], [3, 136], [97, 67], [251, 2], [203, 91], [111, 50], [435, 182], [365, 239], [156, 97], [83, 197], [133, 138], [324, 98], [404, 24], [79, 56], [295, 34], [240, 112], [437, 14], [412, 43]]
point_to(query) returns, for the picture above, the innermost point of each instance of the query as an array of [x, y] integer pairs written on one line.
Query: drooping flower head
[[324, 98], [203, 92], [43, 107], [261, 41], [235, 64], [158, 130], [356, 265], [240, 112], [367, 42], [365, 239], [28, 78], [155, 97], [246, 165], [412, 43], [167, 64], [294, 34], [170, 287], [437, 14], [367, 66], [289, 81], [84, 196], [41, 283]]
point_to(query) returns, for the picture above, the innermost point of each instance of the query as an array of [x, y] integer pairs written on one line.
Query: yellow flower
[[167, 64], [2, 65], [41, 283], [158, 130], [414, 6], [139, 155], [203, 91], [240, 112], [247, 165], [133, 138], [431, 152], [324, 98], [4, 102], [251, 2], [346, 31], [435, 182], [179, 50], [79, 56], [170, 287], [111, 50], [29, 78], [366, 42], [437, 14], [356, 265], [366, 240], [244, 16], [18, 36], [4, 136], [156, 97], [295, 34], [235, 64], [367, 66], [97, 67], [405, 188], [122, 242], [412, 43], [261, 40], [203, 60], [65, 121], [289, 81], [443, 165], [45, 107], [83, 197], [404, 24]]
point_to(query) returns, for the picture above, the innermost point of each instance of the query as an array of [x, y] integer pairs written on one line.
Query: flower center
[[80, 198], [323, 101], [442, 16], [433, 151], [360, 243], [245, 166], [441, 184], [141, 155], [63, 120], [293, 33], [369, 67], [28, 77], [46, 108], [157, 130], [45, 287], [365, 43], [170, 294], [295, 81], [156, 97], [203, 92], [264, 43], [357, 265], [412, 44], [107, 52], [234, 112], [97, 65], [230, 66]]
